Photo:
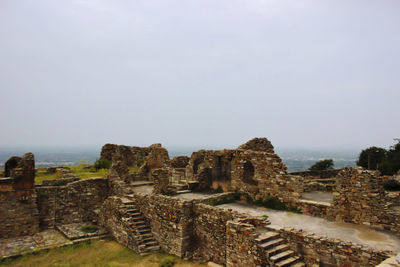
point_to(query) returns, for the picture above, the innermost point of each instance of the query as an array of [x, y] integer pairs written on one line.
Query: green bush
[[391, 185], [102, 163], [326, 164], [167, 261]]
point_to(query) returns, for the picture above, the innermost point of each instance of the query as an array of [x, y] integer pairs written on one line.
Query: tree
[[391, 163], [326, 164], [371, 157], [102, 163]]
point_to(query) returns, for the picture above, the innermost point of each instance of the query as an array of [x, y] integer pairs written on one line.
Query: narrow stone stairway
[[139, 228], [181, 188], [278, 252]]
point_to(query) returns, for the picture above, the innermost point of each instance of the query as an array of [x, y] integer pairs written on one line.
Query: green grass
[[79, 170], [96, 253]]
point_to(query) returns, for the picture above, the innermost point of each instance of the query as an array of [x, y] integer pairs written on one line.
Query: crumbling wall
[[322, 174], [10, 164], [171, 221], [158, 158], [323, 251], [261, 174], [76, 202], [132, 155], [209, 233], [211, 168], [359, 198], [18, 208]]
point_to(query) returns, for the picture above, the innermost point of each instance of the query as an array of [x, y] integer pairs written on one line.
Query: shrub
[[167, 261], [321, 165], [102, 163], [391, 185]]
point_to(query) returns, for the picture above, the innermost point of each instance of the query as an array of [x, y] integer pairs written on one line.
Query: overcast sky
[[303, 73]]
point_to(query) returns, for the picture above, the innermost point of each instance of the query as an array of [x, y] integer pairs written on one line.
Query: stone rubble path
[[357, 234]]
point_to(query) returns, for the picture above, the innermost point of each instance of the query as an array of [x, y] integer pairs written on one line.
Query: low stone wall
[[209, 233], [313, 208], [241, 247], [112, 219], [318, 186], [325, 251], [171, 221], [76, 202], [324, 174]]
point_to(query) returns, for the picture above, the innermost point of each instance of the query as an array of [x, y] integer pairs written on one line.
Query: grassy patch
[[96, 253], [272, 203], [81, 171]]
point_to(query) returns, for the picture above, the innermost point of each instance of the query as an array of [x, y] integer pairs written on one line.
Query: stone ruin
[[192, 228]]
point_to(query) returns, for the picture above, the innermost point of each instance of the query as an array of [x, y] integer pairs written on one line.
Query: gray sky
[[303, 73]]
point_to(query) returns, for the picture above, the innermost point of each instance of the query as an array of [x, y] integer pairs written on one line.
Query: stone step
[[282, 256], [134, 210], [298, 264], [147, 236], [144, 231], [287, 262], [138, 223], [141, 183], [277, 249], [150, 243], [138, 218], [183, 191], [267, 236], [153, 248], [271, 243]]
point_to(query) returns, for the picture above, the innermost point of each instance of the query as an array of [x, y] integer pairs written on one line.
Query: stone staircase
[[277, 251], [180, 188], [138, 227]]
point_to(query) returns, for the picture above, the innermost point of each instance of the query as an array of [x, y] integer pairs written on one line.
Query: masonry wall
[[209, 233], [269, 176], [324, 251], [18, 216], [76, 202], [18, 209], [171, 221], [360, 198], [241, 247]]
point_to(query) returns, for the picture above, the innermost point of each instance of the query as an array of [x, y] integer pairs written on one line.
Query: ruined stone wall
[[360, 198], [211, 168], [18, 216], [112, 219], [171, 221], [325, 251], [76, 202], [316, 186], [323, 174], [261, 174], [209, 233], [132, 155], [241, 247], [18, 208]]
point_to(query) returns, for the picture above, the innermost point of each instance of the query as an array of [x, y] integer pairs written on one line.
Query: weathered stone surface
[[258, 144], [10, 164], [179, 162], [73, 203]]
